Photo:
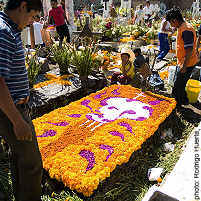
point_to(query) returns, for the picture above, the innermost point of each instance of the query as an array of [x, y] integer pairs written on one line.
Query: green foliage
[[83, 59], [62, 57], [63, 196], [34, 67], [5, 178]]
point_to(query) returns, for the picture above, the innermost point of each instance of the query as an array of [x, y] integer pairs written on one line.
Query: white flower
[[81, 48]]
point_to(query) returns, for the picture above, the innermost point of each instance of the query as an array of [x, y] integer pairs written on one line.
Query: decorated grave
[[83, 142], [53, 90]]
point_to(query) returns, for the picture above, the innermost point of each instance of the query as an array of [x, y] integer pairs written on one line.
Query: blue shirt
[[12, 59]]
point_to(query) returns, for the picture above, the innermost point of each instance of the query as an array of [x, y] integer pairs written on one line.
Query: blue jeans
[[164, 45]]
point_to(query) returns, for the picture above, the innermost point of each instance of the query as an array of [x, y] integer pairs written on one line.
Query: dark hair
[[174, 14], [37, 17], [141, 6], [54, 1], [126, 54], [137, 50], [31, 4]]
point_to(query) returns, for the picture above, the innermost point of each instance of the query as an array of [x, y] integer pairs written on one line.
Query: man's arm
[[188, 54], [6, 103], [48, 19], [21, 128], [188, 38], [66, 19]]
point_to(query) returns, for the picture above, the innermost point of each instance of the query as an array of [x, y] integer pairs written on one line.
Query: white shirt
[[148, 11], [156, 8], [139, 14], [28, 41], [37, 33], [166, 27]]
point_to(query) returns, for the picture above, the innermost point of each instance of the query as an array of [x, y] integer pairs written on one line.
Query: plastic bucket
[[193, 88]]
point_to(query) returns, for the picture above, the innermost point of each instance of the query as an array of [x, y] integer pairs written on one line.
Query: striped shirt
[[12, 59]]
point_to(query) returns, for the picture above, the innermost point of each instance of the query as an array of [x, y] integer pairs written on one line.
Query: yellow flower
[[81, 152]]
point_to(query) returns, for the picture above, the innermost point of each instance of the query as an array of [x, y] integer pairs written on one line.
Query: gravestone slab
[[159, 196], [52, 96]]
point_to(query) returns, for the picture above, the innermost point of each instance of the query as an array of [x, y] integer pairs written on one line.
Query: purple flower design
[[148, 108], [108, 148], [75, 115], [86, 104], [90, 158], [116, 133], [124, 124], [115, 92], [140, 119], [99, 95], [154, 102], [49, 133], [58, 124]]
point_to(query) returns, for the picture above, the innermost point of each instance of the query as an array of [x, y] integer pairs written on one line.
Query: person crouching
[[127, 69]]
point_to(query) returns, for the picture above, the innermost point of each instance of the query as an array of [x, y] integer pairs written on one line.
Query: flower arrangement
[[86, 60], [127, 39], [53, 79], [82, 143], [33, 67], [107, 31], [123, 11], [196, 23], [108, 25], [62, 56]]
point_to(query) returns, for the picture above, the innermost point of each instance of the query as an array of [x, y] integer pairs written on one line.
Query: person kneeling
[[127, 68], [142, 70]]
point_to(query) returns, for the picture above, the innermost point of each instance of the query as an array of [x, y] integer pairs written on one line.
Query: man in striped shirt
[[15, 123]]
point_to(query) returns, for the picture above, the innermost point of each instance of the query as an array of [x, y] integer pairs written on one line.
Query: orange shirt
[[180, 50]]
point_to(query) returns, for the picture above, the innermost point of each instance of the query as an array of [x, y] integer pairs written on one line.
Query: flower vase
[[84, 81]]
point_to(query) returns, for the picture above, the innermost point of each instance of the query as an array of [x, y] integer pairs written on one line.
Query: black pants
[[178, 90], [26, 163], [63, 32]]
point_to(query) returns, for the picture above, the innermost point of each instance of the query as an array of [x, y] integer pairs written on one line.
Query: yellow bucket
[[193, 88]]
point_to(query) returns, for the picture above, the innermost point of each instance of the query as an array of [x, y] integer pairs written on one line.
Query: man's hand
[[22, 130]]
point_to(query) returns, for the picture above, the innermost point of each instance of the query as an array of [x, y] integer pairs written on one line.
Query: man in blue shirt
[[15, 123]]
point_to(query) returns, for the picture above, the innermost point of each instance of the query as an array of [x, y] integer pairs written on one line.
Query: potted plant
[[62, 57], [85, 61], [33, 67]]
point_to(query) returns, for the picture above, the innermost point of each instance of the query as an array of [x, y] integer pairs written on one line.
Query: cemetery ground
[[129, 181]]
